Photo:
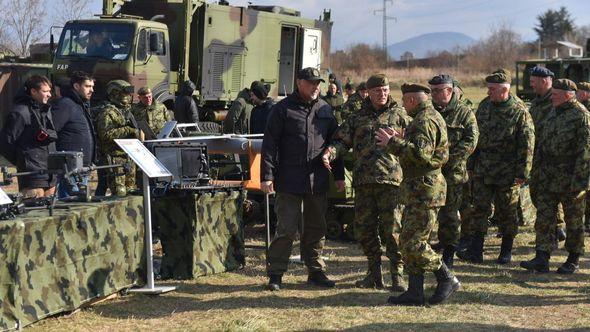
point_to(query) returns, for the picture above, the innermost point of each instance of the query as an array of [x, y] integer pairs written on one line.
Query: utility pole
[[385, 19]]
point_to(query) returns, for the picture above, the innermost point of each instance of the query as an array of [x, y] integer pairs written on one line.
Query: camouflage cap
[[377, 80], [584, 86], [362, 86], [414, 87], [499, 76], [144, 91], [441, 79], [539, 71], [565, 84], [309, 74]]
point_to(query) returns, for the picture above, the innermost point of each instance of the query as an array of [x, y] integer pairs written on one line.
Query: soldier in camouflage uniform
[[423, 149], [541, 80], [353, 104], [562, 170], [335, 100], [501, 163], [583, 96], [150, 110], [377, 175], [237, 120], [462, 134], [115, 121]]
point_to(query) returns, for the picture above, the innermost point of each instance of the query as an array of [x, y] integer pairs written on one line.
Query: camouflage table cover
[[55, 264], [201, 232]]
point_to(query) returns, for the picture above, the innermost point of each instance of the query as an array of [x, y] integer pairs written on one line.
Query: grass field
[[492, 298]]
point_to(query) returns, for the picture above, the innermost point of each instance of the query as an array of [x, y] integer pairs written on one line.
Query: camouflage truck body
[[160, 43]]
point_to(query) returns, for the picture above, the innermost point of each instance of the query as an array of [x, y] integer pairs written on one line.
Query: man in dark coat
[[185, 107]]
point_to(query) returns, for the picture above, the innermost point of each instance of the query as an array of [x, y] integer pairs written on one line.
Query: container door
[[312, 48]]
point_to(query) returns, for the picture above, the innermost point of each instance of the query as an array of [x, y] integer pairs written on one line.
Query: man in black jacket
[[29, 135], [262, 106], [298, 130], [73, 122], [185, 107]]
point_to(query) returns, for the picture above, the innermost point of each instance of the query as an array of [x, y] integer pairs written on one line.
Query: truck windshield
[[100, 40]]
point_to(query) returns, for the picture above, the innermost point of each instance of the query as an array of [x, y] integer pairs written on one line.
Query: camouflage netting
[[55, 264], [201, 232]]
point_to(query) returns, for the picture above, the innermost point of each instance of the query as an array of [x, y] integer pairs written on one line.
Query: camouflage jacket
[[506, 142], [111, 124], [539, 109], [422, 153], [335, 101], [371, 164], [237, 120], [351, 106], [586, 104], [156, 115], [562, 154], [462, 133]]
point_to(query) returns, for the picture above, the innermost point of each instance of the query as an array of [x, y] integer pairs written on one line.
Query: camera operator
[[29, 135]]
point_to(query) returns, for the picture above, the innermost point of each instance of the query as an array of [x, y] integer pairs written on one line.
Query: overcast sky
[[355, 21]]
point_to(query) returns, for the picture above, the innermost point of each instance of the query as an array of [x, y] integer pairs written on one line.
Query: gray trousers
[[291, 211]]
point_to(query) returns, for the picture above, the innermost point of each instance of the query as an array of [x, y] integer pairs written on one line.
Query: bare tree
[[26, 23], [72, 10]]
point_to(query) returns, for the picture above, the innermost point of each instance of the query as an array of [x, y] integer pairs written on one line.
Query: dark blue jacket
[[19, 143], [259, 117], [296, 135], [71, 116]]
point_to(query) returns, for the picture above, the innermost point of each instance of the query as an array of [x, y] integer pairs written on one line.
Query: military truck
[[576, 69], [222, 48]]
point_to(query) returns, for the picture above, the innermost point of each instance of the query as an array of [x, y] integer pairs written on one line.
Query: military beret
[[564, 84], [441, 79], [144, 91], [349, 86], [585, 86], [538, 71], [362, 86], [499, 76], [414, 87], [377, 80], [260, 89], [309, 74]]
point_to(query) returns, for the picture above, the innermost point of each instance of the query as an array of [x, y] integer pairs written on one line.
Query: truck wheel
[[334, 230]]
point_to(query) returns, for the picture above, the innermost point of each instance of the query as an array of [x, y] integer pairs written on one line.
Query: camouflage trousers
[[547, 210], [377, 221], [449, 219], [417, 224], [560, 222], [119, 180], [466, 208], [292, 210], [505, 200]]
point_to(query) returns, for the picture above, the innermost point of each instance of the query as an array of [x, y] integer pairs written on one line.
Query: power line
[[385, 19]]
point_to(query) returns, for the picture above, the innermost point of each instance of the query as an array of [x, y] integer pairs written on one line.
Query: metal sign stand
[[150, 288]]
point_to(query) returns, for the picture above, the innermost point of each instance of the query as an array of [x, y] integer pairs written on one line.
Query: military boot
[[448, 256], [275, 282], [447, 285], [373, 278], [464, 242], [571, 265], [473, 254], [560, 234], [414, 296], [319, 278], [397, 279], [540, 263], [506, 250]]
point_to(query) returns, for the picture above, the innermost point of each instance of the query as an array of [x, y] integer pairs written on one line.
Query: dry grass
[[492, 298]]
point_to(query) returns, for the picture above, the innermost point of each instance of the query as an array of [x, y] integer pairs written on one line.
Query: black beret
[[414, 87], [499, 76], [565, 84], [585, 86], [309, 74], [541, 72], [259, 89], [377, 80], [441, 79]]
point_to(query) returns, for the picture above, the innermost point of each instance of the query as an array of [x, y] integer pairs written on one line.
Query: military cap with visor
[[414, 87], [565, 84], [309, 74]]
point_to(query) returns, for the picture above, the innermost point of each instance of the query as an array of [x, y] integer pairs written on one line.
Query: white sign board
[[148, 163], [4, 199]]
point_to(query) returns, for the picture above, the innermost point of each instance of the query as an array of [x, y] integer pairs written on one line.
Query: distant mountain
[[436, 41]]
